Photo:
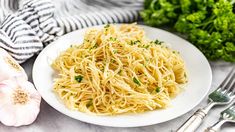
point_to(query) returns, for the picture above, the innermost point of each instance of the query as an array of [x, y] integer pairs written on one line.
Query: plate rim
[[127, 125]]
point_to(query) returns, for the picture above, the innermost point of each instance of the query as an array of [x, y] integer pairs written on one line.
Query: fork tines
[[229, 113], [229, 81]]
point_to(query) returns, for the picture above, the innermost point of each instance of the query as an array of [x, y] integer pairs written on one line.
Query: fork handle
[[193, 122], [216, 126]]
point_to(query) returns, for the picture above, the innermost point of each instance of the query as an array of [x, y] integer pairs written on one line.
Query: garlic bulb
[[19, 102], [9, 67]]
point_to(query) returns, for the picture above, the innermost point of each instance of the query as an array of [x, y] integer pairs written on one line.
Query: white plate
[[199, 73]]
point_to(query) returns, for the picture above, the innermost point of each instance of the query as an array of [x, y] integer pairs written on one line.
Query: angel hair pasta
[[117, 69]]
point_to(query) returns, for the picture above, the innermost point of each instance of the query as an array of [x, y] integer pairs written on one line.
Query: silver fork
[[223, 95], [227, 115]]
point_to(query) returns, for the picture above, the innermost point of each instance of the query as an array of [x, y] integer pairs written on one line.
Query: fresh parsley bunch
[[208, 24]]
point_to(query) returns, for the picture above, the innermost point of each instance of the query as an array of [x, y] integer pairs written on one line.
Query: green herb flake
[[113, 39], [113, 61], [89, 103], [158, 89], [185, 75], [146, 46], [115, 51], [135, 80], [95, 46], [157, 42], [135, 42], [107, 26], [175, 52], [120, 71], [87, 40], [78, 78]]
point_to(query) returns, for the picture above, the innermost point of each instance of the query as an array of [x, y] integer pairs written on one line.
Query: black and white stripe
[[38, 22], [76, 14], [7, 7], [22, 34]]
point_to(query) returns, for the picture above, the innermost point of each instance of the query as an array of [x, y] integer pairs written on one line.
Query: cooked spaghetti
[[117, 69]]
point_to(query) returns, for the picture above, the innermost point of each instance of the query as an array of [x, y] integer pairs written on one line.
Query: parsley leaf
[[158, 89], [78, 78], [135, 80]]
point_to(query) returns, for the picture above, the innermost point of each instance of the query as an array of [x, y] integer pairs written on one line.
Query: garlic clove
[[9, 67], [19, 102], [7, 114]]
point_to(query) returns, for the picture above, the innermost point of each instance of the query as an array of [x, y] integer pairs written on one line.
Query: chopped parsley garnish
[[146, 46], [107, 26], [158, 42], [185, 75], [120, 71], [115, 51], [89, 103], [158, 89], [78, 78], [135, 42], [113, 61], [175, 52], [87, 40], [95, 46], [136, 81], [113, 39]]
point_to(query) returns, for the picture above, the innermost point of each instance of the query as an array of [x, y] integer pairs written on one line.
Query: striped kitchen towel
[[29, 25]]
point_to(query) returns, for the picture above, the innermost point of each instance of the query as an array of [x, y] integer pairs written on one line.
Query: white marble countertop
[[50, 120]]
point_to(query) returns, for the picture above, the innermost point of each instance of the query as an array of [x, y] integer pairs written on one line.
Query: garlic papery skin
[[9, 68], [19, 102]]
